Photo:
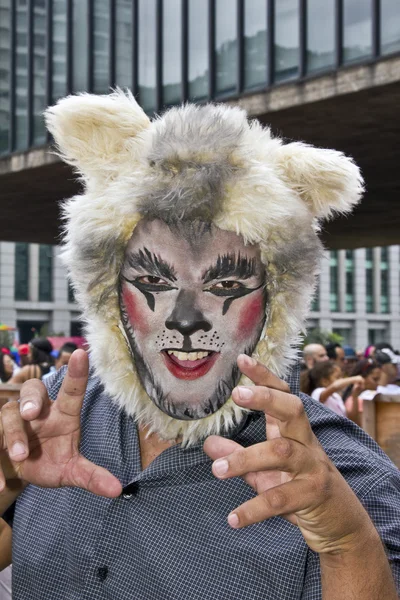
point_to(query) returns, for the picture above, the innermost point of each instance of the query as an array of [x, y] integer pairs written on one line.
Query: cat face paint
[[192, 299]]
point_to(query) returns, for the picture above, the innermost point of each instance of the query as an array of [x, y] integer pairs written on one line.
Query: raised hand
[[39, 439], [290, 472]]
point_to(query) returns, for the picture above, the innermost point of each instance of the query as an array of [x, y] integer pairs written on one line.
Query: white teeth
[[188, 355]]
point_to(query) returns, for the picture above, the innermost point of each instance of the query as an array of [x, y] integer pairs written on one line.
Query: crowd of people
[[342, 379], [36, 360]]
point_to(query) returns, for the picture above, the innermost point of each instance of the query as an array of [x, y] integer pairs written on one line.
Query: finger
[[287, 408], [70, 397], [216, 446], [14, 434], [33, 398], [281, 454], [259, 374], [94, 479], [282, 500]]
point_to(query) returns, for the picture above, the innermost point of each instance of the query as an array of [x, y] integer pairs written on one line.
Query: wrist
[[356, 546]]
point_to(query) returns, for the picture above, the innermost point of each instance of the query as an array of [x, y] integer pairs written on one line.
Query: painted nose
[[186, 318]]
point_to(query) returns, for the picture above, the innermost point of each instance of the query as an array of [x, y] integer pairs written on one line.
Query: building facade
[[35, 295], [358, 296]]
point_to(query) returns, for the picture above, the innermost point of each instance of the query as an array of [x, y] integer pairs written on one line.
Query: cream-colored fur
[[273, 197]]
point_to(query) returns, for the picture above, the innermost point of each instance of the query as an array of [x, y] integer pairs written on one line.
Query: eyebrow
[[231, 265], [152, 264]]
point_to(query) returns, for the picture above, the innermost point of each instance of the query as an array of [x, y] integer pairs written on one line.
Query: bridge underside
[[363, 123]]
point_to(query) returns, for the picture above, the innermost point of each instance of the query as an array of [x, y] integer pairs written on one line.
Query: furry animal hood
[[193, 162]]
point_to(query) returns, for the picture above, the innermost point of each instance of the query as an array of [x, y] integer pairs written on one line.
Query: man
[[389, 362], [193, 253], [336, 353], [313, 353]]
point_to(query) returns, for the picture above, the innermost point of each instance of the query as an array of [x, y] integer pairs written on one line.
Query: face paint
[[192, 299]]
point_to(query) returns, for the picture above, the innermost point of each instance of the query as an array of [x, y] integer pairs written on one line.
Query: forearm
[[362, 573], [5, 544]]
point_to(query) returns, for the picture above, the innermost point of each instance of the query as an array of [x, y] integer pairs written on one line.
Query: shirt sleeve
[[315, 395], [382, 503]]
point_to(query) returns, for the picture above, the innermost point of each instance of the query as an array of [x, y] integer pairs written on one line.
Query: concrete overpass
[[354, 109]]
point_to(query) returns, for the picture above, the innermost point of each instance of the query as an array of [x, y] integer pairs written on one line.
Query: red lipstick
[[189, 369]]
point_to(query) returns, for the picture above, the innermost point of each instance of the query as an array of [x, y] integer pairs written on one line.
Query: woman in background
[[7, 367], [40, 361], [354, 396]]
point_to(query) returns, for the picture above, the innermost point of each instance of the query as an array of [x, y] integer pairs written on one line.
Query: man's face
[[192, 299], [340, 357]]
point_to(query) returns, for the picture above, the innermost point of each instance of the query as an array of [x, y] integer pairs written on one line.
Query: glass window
[[315, 300], [5, 39], [369, 280], [390, 26], [255, 43], [101, 46], [59, 51], [357, 29], [286, 39], [349, 266], [80, 45], [147, 55], [21, 281], [123, 43], [45, 273], [198, 49], [320, 34], [172, 51], [39, 71], [226, 56], [21, 77], [334, 281], [384, 280]]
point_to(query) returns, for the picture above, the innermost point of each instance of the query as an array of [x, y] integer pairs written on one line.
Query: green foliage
[[6, 339], [321, 336]]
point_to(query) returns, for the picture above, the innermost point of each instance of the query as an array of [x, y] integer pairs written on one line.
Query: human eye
[[226, 288], [150, 283], [151, 280]]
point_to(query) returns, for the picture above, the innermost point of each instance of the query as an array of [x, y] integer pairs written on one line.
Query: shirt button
[[130, 490], [102, 573]]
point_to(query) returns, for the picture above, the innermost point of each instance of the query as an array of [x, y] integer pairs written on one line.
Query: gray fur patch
[[191, 161]]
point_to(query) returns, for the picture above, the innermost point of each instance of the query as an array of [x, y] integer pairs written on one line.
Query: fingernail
[[221, 466], [27, 406], [18, 449], [233, 520], [248, 360], [245, 394]]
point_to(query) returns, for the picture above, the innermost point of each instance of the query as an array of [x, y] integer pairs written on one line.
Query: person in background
[[350, 359], [40, 361], [336, 353], [7, 367], [389, 362], [24, 354], [62, 359], [325, 381], [355, 394], [314, 353]]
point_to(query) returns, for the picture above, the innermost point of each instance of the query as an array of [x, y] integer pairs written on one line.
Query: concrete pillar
[[394, 300], [342, 280], [61, 316], [377, 280], [34, 272], [360, 286], [325, 321], [8, 314]]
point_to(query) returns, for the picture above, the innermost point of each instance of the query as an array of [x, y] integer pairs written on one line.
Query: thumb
[[88, 476]]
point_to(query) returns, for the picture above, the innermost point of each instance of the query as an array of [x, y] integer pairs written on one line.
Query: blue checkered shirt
[[166, 537]]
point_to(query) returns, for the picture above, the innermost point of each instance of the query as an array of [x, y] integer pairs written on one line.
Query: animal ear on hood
[[97, 134], [327, 181]]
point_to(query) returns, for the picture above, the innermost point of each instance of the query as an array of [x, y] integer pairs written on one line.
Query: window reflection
[[320, 34], [226, 46], [39, 71], [172, 54], [147, 54], [255, 43], [357, 29], [101, 46], [5, 39], [21, 78], [286, 39], [59, 49], [123, 43], [390, 26], [198, 49], [80, 45]]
